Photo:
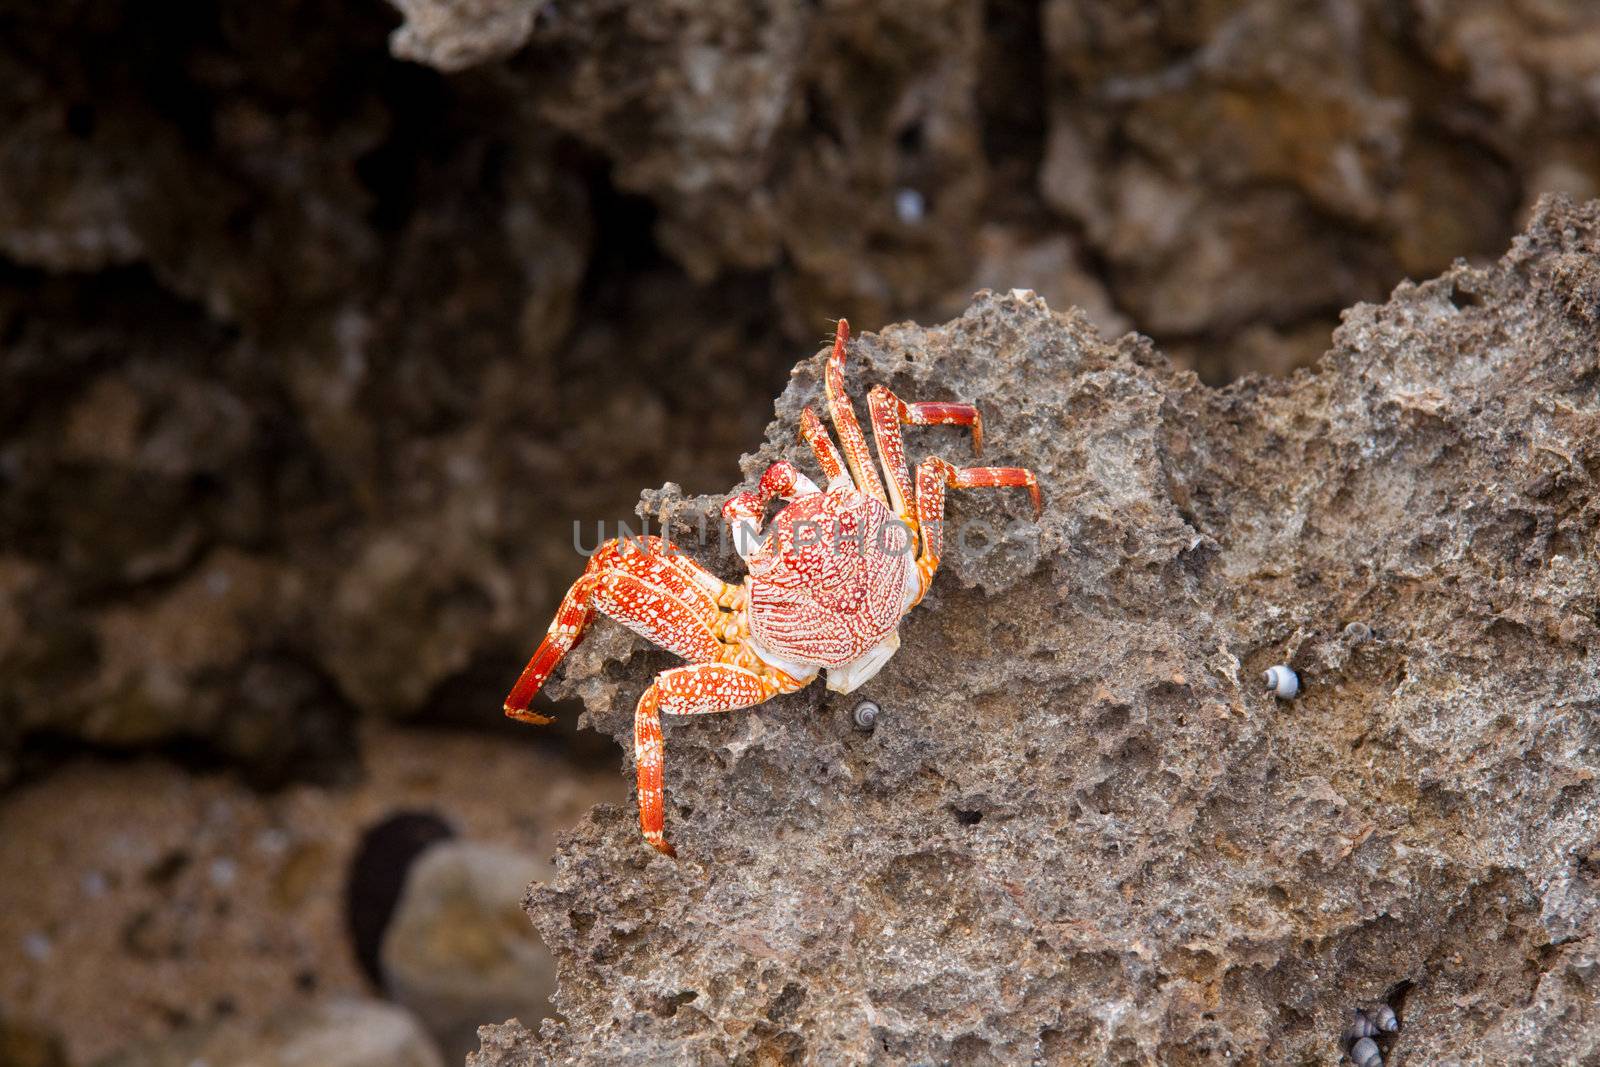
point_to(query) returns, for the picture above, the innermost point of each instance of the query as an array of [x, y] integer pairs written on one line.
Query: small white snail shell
[[1365, 1053], [1384, 1018], [866, 715], [1284, 683], [1360, 1027]]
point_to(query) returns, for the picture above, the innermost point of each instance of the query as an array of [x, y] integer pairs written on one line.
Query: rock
[[1010, 258], [459, 950], [784, 138], [277, 300], [1080, 830], [1255, 166], [329, 437], [333, 1033], [1561, 1020], [455, 34], [179, 900], [26, 1046]]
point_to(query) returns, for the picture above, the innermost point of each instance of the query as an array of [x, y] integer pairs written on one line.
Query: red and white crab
[[828, 584]]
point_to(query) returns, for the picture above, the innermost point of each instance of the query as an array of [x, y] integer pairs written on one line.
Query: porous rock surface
[[142, 904], [317, 326], [1082, 832]]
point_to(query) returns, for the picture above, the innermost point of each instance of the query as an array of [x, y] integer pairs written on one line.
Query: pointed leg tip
[[524, 715], [660, 845], [840, 336]]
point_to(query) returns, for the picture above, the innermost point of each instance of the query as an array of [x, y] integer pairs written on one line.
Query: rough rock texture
[[782, 136], [1081, 831], [1236, 173], [318, 326], [305, 443], [140, 901]]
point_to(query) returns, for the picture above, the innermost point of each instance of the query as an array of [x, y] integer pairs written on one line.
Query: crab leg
[[944, 413], [643, 584], [665, 566], [933, 476], [694, 690], [844, 419], [814, 434], [888, 412]]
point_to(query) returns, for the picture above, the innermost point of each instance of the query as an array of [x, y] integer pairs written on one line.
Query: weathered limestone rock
[[1081, 830], [456, 952], [1256, 164], [139, 900], [841, 147], [344, 1032], [276, 303], [455, 34]]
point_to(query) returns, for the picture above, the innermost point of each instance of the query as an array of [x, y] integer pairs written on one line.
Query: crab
[[828, 583]]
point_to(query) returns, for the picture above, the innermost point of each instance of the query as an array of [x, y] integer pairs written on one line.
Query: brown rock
[[456, 34], [271, 292], [1081, 830], [140, 899], [459, 950], [332, 1033]]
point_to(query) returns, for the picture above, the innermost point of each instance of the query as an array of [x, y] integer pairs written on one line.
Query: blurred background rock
[[319, 326]]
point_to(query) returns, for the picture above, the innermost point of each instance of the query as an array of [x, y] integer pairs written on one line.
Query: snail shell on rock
[[1284, 683]]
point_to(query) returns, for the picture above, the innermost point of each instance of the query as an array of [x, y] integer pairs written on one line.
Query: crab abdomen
[[828, 582]]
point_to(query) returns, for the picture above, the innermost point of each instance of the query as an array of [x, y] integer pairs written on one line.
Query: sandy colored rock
[[456, 34], [333, 1033], [1082, 831], [459, 951], [141, 900]]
